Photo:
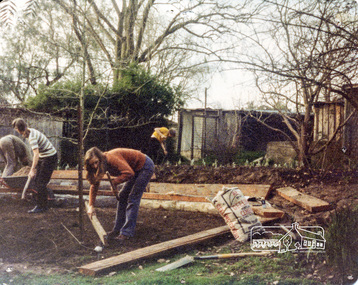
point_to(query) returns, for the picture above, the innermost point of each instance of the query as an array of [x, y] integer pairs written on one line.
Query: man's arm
[[35, 160], [164, 149], [92, 198]]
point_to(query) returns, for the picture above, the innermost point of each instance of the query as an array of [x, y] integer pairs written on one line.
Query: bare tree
[[300, 53], [38, 51], [176, 40], [172, 37]]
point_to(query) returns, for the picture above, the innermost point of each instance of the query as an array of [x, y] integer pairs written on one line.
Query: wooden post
[[80, 167]]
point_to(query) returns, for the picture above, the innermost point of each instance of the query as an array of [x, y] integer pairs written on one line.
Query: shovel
[[189, 259], [112, 186], [25, 188]]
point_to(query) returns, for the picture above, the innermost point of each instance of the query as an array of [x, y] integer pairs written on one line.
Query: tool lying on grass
[[112, 186], [189, 259], [25, 188]]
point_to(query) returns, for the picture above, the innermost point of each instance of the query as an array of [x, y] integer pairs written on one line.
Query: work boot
[[112, 235], [122, 238], [37, 210]]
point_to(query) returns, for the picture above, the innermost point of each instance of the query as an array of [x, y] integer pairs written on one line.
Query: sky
[[226, 90]]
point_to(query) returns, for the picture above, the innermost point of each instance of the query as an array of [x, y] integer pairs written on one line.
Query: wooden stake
[[97, 226]]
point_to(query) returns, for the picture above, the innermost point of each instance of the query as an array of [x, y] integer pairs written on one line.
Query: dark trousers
[[155, 151], [44, 169]]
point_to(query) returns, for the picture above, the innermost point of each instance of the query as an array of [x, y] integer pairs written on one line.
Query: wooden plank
[[177, 192], [209, 190], [114, 262], [255, 190], [67, 174], [305, 201], [265, 220], [72, 190], [70, 175], [202, 190], [267, 212], [173, 197], [97, 226]]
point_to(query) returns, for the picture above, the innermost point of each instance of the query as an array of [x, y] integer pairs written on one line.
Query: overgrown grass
[[285, 268], [342, 240]]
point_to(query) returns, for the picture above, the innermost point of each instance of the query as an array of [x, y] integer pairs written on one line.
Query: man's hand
[[32, 173], [91, 211]]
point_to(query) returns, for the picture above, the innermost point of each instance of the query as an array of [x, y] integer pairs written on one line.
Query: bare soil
[[50, 241]]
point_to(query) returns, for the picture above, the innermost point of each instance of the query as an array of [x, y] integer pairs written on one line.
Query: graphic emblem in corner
[[296, 239]]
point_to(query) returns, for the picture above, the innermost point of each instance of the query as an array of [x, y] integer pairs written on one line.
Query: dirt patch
[[49, 241], [52, 238]]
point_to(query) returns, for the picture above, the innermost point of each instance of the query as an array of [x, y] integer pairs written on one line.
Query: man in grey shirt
[[14, 152]]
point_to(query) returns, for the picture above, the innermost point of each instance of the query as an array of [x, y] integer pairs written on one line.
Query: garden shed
[[225, 132], [329, 121]]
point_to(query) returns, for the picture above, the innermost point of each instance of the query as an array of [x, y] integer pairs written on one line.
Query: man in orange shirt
[[126, 165]]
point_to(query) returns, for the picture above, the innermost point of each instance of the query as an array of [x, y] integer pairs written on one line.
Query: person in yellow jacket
[[156, 149]]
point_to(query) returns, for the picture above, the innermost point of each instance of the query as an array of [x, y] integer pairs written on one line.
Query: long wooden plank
[[97, 226], [209, 190], [203, 190], [178, 192], [67, 174], [173, 197], [305, 201], [72, 190], [114, 262]]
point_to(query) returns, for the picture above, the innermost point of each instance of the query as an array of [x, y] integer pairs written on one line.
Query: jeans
[[44, 169], [129, 200]]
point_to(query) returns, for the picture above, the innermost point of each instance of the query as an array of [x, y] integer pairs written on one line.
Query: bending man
[[126, 165], [156, 149], [15, 153]]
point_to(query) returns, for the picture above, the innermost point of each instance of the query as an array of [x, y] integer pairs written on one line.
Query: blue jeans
[[129, 200]]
